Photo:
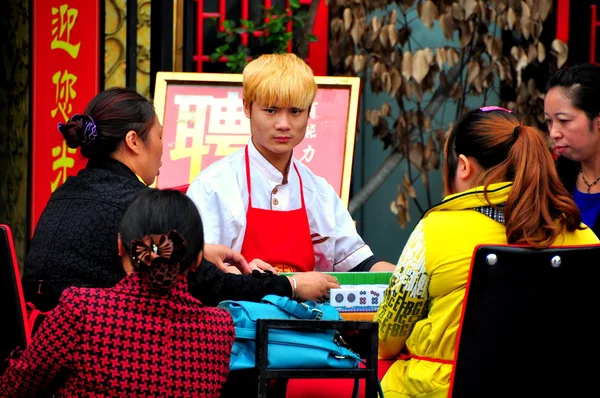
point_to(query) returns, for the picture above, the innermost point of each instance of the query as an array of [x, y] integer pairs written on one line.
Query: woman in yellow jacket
[[502, 187]]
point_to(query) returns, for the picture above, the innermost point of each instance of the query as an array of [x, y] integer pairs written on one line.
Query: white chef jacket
[[221, 195]]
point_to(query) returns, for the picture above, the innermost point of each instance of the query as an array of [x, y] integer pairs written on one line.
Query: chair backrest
[[13, 313], [528, 323]]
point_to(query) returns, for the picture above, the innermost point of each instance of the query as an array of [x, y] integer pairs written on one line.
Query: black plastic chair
[[528, 323], [361, 336], [12, 309]]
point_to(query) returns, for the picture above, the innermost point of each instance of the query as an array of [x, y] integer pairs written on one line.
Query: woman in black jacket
[[75, 240], [572, 110]]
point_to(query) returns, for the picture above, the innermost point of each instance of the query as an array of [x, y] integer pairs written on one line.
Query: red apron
[[280, 238]]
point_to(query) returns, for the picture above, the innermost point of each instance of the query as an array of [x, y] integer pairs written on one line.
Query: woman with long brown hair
[[502, 187]]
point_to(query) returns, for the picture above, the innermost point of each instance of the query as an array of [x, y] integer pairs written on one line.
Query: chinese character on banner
[[61, 162], [191, 120], [310, 131], [64, 93], [228, 126], [63, 20], [308, 155], [204, 122], [313, 110], [227, 115], [226, 144], [65, 76]]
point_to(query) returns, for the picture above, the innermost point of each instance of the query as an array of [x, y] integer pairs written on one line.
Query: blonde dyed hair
[[281, 80]]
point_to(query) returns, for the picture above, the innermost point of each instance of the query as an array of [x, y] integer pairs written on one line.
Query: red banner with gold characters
[[66, 67]]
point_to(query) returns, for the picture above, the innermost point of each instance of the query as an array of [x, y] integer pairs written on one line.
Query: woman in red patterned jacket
[[147, 336]]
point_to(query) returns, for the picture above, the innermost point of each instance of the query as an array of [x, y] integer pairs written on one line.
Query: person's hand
[[314, 285], [260, 265], [254, 265], [226, 259]]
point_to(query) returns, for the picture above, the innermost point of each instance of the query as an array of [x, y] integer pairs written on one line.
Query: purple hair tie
[[89, 128], [494, 108]]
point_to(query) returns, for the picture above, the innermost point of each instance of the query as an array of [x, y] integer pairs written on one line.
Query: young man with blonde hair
[[266, 204]]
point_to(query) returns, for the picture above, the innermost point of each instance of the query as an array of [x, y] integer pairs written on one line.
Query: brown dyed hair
[[538, 207]]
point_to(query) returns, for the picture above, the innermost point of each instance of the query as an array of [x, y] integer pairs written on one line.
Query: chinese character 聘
[[62, 162], [61, 29], [310, 131], [64, 93], [309, 152]]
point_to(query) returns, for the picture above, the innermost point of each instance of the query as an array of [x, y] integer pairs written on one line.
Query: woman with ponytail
[[502, 187], [147, 336]]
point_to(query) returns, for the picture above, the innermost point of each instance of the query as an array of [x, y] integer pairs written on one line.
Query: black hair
[[581, 84], [114, 112], [156, 212]]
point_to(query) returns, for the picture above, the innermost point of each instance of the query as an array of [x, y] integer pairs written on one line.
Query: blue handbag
[[288, 349]]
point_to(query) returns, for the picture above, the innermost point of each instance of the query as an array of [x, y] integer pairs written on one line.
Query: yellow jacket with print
[[422, 305]]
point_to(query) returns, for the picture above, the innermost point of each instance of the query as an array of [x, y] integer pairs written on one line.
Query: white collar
[[264, 166]]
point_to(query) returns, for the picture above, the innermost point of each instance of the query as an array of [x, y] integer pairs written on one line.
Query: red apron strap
[[430, 359], [301, 187], [248, 179]]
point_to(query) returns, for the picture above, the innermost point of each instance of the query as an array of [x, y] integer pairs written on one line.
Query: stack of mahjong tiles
[[357, 298], [359, 294]]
